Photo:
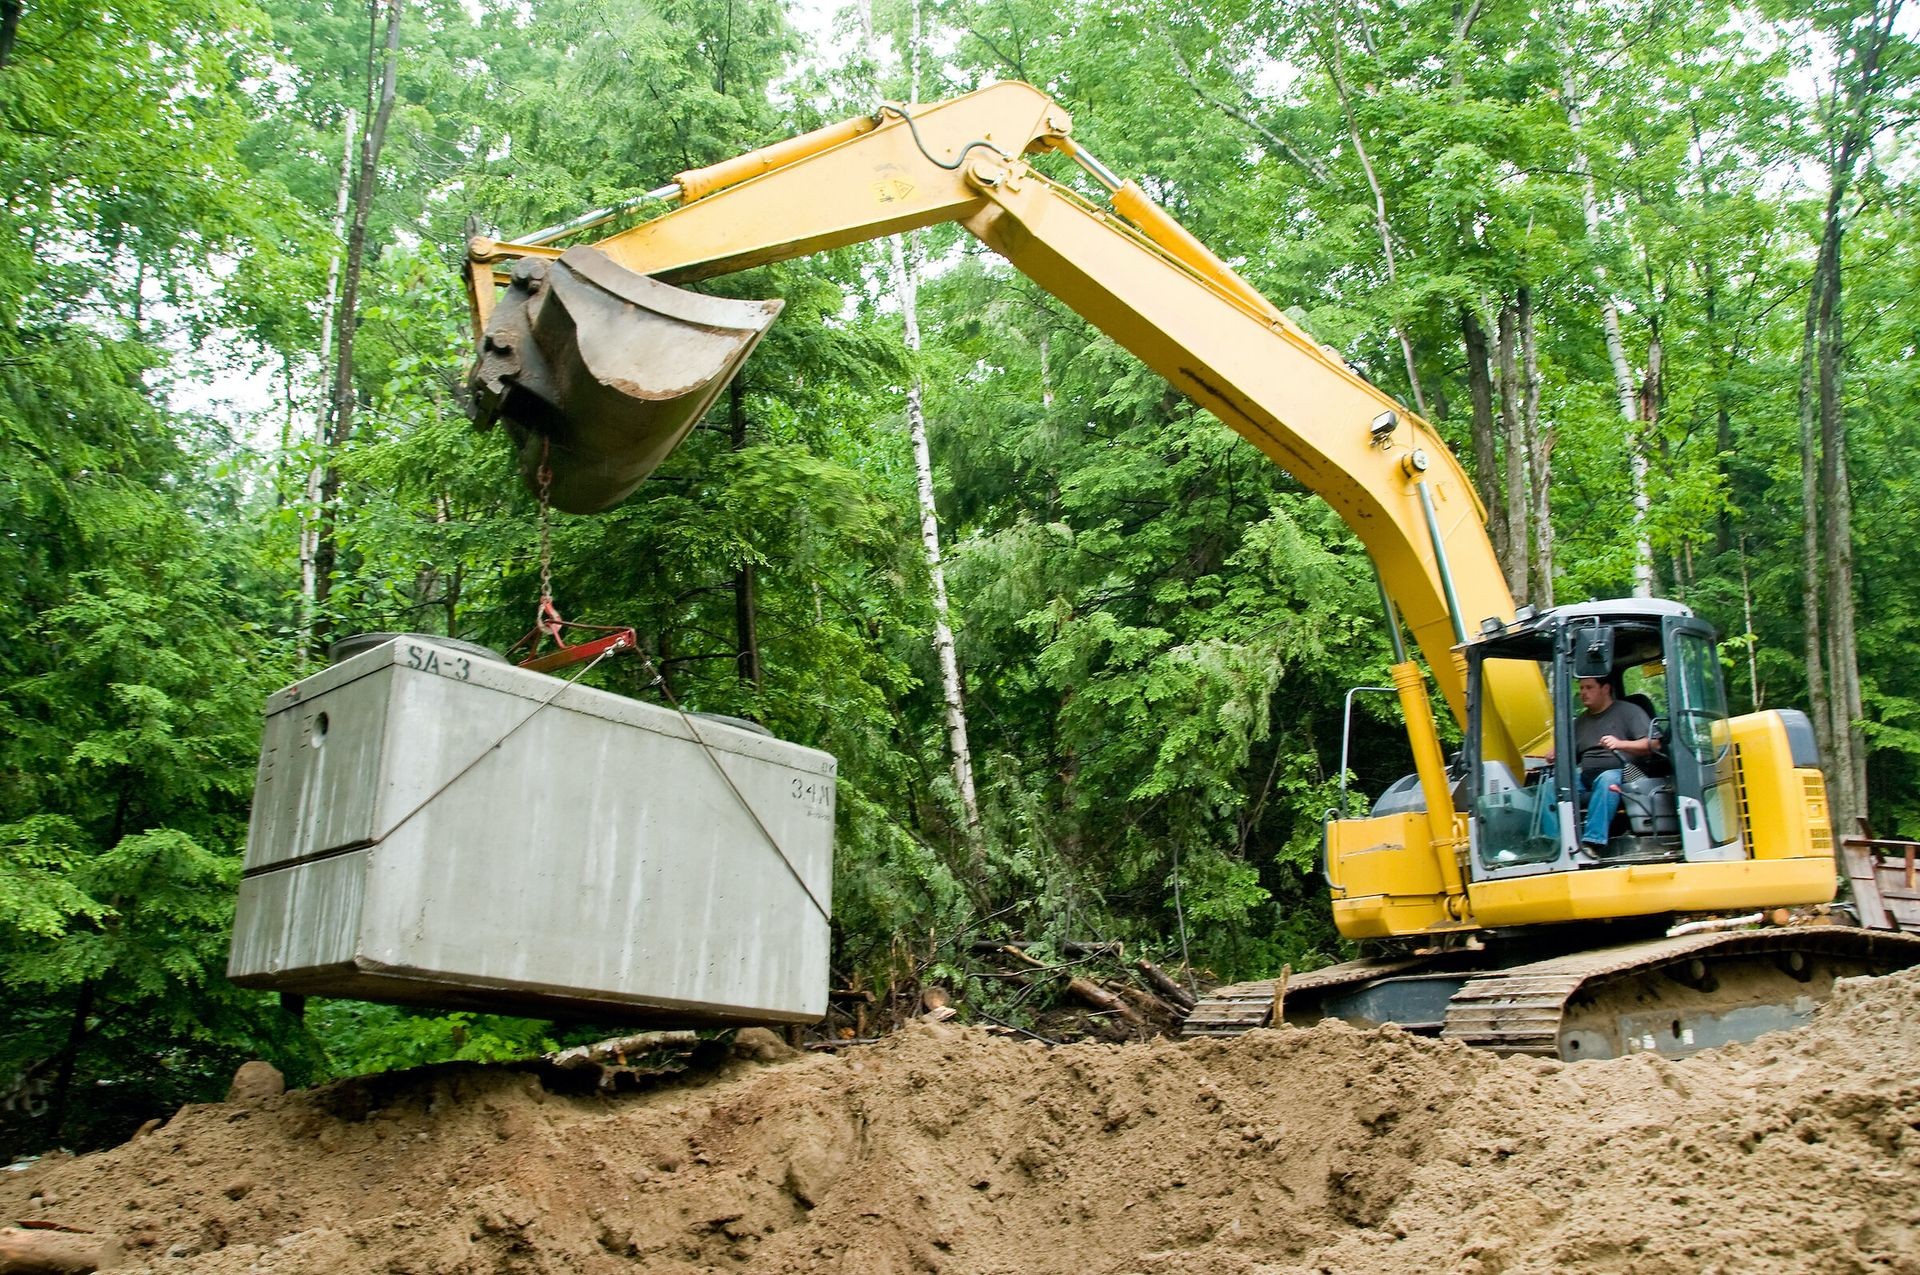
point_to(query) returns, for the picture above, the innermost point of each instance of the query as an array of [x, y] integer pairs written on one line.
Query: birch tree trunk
[[907, 292], [1514, 511], [1538, 442], [316, 472], [1623, 380]]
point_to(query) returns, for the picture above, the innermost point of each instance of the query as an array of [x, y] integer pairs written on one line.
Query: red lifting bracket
[[550, 623]]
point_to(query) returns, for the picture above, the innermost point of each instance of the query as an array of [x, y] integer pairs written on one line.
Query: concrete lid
[[434, 657]]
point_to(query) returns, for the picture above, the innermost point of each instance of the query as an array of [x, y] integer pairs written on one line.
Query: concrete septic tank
[[434, 828]]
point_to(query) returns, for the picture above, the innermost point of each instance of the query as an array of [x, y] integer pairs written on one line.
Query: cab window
[[1702, 698]]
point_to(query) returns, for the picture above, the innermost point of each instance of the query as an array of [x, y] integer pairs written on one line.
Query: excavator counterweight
[[603, 371]]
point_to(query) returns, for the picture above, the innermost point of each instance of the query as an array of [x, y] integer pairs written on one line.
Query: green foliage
[[359, 1038], [130, 728], [1157, 625]]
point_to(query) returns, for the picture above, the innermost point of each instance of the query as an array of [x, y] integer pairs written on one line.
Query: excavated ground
[[948, 1149]]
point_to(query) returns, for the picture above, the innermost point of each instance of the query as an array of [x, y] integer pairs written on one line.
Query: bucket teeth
[[608, 368]]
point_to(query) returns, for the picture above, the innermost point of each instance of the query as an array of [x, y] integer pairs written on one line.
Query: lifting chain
[[545, 480], [548, 623]]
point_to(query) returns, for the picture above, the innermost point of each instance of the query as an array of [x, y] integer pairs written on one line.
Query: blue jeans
[[1602, 803]]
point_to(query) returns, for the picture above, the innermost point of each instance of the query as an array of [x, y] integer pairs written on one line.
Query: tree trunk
[[1843, 666], [1849, 116], [316, 471], [1046, 374], [9, 28], [1636, 445], [1513, 514], [1722, 414], [340, 426], [746, 625], [450, 600], [1623, 382], [907, 287], [62, 1092], [1724, 358], [1538, 442], [1381, 226], [1753, 637], [1464, 16], [950, 687], [1812, 577], [1486, 457], [1648, 399]]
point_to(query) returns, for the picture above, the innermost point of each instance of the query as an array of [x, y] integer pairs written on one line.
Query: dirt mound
[[949, 1149]]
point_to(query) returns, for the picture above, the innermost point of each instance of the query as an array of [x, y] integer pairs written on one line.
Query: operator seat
[[1647, 800], [1655, 764]]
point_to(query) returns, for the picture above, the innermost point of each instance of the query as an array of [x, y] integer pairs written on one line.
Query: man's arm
[[1627, 747], [1632, 745]]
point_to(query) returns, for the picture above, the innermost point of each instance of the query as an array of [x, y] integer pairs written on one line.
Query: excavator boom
[[1130, 270]]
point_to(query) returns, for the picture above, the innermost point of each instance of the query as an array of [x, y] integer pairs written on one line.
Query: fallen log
[[1102, 999], [617, 1049], [1143, 1001], [1163, 983], [1069, 948], [1018, 955], [1086, 990]]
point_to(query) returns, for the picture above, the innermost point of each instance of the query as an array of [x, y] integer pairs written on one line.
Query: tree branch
[[1336, 69], [1313, 167]]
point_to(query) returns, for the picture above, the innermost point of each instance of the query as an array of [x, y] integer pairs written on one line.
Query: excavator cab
[[1677, 803]]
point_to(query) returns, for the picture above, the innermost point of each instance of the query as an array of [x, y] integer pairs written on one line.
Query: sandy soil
[[946, 1149]]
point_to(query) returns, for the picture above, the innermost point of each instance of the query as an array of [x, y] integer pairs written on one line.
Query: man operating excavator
[[1605, 737]]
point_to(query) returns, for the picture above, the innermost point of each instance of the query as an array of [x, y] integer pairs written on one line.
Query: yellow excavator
[[1484, 917]]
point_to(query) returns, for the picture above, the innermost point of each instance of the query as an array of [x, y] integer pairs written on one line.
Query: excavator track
[[1229, 1011], [1672, 996]]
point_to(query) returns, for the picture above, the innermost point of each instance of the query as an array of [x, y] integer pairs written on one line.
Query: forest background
[[1647, 265]]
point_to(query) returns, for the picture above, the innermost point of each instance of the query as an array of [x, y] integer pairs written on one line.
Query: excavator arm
[[1129, 269]]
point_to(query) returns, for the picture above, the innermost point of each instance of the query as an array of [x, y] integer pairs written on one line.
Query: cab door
[[1699, 743]]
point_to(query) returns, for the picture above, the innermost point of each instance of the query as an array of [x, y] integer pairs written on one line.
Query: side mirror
[[1593, 651]]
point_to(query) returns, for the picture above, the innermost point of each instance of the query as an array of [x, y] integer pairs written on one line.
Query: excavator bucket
[[604, 370]]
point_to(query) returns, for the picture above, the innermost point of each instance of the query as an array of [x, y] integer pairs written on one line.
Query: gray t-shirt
[[1623, 718]]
